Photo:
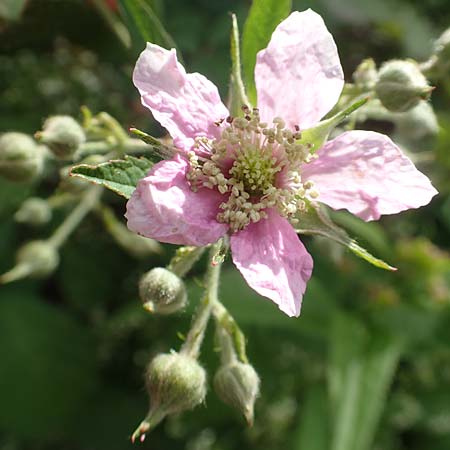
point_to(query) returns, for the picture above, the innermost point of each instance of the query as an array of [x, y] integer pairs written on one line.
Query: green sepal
[[316, 136], [237, 94], [120, 176], [316, 221], [160, 150]]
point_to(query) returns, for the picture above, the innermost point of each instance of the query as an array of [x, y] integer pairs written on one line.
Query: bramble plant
[[241, 178]]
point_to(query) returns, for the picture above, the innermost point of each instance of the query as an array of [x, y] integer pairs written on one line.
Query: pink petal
[[186, 104], [273, 261], [299, 76], [367, 174], [163, 207]]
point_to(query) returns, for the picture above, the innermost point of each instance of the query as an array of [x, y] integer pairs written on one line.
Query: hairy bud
[[35, 259], [63, 135], [401, 85], [237, 385], [21, 159], [365, 75], [162, 291], [175, 383], [34, 211]]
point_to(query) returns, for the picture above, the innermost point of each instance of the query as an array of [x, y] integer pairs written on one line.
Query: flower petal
[[367, 174], [164, 207], [186, 104], [273, 261], [299, 76]]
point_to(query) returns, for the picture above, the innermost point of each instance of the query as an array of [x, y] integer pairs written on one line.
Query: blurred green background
[[367, 364]]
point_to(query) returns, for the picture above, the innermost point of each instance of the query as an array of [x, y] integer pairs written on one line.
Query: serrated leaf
[[120, 176], [317, 222], [362, 365], [262, 19]]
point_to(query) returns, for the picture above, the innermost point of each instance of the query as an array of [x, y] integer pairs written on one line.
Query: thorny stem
[[191, 346], [87, 202]]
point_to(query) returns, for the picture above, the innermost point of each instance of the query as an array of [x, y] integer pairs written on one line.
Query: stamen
[[257, 166]]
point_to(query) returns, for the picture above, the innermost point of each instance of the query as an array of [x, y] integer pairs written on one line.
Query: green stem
[[184, 259], [194, 339], [87, 202], [100, 147]]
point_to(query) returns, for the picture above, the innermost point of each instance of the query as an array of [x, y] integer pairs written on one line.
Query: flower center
[[255, 167]]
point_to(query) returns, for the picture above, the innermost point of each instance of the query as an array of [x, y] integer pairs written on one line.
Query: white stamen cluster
[[257, 166]]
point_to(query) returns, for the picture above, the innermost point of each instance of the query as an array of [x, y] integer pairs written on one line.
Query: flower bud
[[36, 259], [365, 75], [63, 135], [237, 385], [34, 211], [175, 383], [20, 158], [162, 291], [401, 85]]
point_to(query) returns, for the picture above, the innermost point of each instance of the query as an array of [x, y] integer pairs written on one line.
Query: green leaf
[[362, 366], [316, 221], [145, 25], [120, 176], [12, 9], [48, 370], [313, 432], [263, 18]]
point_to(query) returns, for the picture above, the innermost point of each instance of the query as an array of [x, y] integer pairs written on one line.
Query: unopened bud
[[365, 75], [63, 135], [175, 383], [36, 259], [162, 291], [21, 159], [401, 85], [34, 211], [237, 385]]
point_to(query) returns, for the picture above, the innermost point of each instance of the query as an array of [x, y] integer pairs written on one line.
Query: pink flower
[[248, 176]]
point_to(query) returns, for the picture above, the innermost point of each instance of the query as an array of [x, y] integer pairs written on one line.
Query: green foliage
[[145, 24], [120, 176], [263, 18], [361, 368], [48, 366]]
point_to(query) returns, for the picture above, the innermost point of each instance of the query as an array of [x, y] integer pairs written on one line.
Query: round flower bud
[[237, 385], [34, 211], [21, 159], [162, 291], [63, 135], [401, 85], [175, 383], [365, 75], [40, 256]]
